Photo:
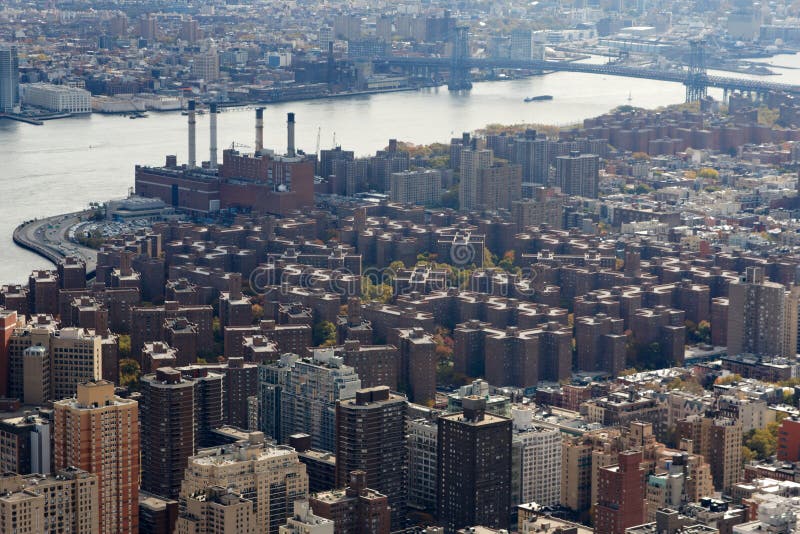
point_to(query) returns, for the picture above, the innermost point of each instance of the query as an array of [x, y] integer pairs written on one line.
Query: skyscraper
[[578, 174], [474, 468], [762, 316], [370, 436], [98, 432], [9, 80], [168, 436]]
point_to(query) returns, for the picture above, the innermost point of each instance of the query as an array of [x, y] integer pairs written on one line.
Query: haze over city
[[416, 267]]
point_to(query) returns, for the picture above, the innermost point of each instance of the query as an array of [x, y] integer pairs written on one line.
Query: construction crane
[[319, 132]]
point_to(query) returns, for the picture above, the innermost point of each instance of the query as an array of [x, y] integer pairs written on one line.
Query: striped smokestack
[[192, 122]]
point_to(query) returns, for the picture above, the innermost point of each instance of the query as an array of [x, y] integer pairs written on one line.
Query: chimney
[[192, 158], [290, 135], [213, 141], [259, 129]]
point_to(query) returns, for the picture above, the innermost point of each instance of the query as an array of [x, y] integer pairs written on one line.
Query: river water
[[67, 163]]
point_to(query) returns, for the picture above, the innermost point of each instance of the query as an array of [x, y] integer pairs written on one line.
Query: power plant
[[258, 182]]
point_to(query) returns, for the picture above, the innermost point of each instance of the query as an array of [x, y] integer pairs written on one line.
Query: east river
[[62, 166]]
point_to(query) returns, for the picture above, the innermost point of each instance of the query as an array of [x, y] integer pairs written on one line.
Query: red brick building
[[789, 441], [620, 495]]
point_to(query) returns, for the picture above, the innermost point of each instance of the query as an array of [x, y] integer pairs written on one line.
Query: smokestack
[[192, 158], [213, 141], [290, 134], [259, 130]]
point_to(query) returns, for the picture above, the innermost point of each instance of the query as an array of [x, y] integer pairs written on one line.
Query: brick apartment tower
[[620, 494], [474, 468], [99, 433], [370, 436], [168, 433]]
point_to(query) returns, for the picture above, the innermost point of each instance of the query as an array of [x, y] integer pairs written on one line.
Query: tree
[[708, 173], [125, 346], [450, 198], [324, 334], [507, 263], [129, 371], [763, 441], [378, 292], [258, 312]]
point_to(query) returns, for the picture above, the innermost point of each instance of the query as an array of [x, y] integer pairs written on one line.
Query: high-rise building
[[50, 504], [98, 432], [303, 521], [299, 396], [9, 80], [417, 373], [545, 206], [762, 316], [422, 186], [537, 455], [26, 444], [8, 321], [474, 468], [370, 436], [621, 502], [523, 46], [271, 477], [498, 186], [76, 356], [534, 154], [47, 363], [422, 435], [217, 510], [240, 382], [168, 430], [190, 30], [719, 441], [148, 27], [471, 161], [357, 510], [578, 174]]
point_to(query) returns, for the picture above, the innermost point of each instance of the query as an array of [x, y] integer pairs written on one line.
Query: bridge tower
[[697, 80], [459, 70]]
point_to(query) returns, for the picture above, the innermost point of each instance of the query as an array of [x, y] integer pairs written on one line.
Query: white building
[[205, 65], [539, 457], [423, 187], [422, 440], [59, 98], [303, 521]]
